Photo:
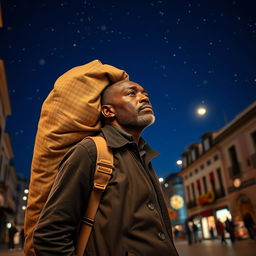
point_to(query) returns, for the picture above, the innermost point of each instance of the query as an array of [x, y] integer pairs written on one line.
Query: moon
[[201, 111]]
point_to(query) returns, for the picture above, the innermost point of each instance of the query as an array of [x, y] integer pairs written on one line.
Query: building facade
[[219, 174], [8, 177]]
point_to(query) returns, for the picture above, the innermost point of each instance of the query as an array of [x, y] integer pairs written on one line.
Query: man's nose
[[143, 98]]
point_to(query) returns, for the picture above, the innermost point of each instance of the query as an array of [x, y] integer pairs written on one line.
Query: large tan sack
[[70, 113]]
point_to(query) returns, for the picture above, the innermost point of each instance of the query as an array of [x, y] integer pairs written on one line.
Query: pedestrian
[[176, 233], [249, 224], [211, 231], [132, 218], [12, 231], [188, 232], [221, 231], [195, 233], [230, 227]]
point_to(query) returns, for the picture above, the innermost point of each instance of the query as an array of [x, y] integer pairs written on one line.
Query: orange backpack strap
[[103, 172]]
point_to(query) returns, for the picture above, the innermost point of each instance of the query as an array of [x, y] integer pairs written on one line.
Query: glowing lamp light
[[8, 225], [24, 198], [201, 111], [237, 183], [26, 191], [161, 179], [23, 207], [179, 162]]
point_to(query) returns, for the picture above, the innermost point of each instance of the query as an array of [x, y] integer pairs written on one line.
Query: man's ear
[[108, 111]]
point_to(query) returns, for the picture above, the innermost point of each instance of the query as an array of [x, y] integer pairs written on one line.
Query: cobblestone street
[[206, 248]]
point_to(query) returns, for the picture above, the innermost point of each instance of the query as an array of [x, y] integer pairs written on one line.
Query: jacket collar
[[117, 138]]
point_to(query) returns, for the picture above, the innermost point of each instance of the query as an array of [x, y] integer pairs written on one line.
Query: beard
[[140, 122], [146, 120]]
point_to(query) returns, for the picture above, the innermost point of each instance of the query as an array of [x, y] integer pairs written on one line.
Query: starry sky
[[185, 53]]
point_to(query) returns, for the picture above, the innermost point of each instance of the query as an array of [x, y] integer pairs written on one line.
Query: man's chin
[[147, 120]]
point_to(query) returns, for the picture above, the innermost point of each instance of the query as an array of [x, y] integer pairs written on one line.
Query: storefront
[[206, 221]]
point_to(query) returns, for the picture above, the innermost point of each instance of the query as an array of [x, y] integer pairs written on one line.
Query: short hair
[[105, 93]]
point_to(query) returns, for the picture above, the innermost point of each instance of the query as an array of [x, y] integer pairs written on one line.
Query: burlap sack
[[70, 113]]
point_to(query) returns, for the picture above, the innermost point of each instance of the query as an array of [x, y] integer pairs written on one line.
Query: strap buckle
[[88, 221], [103, 167]]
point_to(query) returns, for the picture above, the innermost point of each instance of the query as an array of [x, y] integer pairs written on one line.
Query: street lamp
[[26, 191], [24, 198], [161, 180], [179, 162]]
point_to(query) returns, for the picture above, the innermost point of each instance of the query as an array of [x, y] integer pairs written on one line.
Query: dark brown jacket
[[132, 218]]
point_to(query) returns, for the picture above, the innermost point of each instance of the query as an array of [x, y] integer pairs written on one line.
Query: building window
[[193, 191], [202, 166], [198, 184], [190, 174], [209, 162], [196, 171], [193, 155], [222, 191], [254, 140], [184, 162], [205, 185], [216, 157], [206, 144], [212, 181], [234, 168], [188, 193]]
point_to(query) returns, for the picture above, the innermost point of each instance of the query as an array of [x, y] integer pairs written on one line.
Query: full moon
[[201, 111]]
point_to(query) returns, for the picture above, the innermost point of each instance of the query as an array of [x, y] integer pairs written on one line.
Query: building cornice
[[241, 119]]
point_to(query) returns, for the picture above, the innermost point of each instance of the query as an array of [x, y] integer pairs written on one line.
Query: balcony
[[235, 171]]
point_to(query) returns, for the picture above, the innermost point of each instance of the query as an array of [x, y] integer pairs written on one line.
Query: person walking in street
[[221, 231], [230, 227], [249, 224], [196, 233], [188, 232], [132, 218], [211, 231], [12, 231]]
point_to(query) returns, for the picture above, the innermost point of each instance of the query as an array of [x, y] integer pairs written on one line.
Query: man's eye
[[131, 93]]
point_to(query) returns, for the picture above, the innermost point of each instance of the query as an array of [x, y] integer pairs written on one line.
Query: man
[[12, 231], [132, 218]]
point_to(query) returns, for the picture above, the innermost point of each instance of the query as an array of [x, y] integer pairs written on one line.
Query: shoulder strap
[[103, 172]]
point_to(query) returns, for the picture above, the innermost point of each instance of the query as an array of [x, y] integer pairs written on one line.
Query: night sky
[[185, 53]]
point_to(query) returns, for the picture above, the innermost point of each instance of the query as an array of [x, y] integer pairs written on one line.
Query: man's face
[[131, 105]]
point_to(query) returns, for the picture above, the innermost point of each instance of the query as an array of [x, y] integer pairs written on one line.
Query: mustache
[[145, 105]]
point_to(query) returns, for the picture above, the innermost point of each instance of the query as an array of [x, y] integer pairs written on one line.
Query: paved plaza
[[206, 248], [215, 248]]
